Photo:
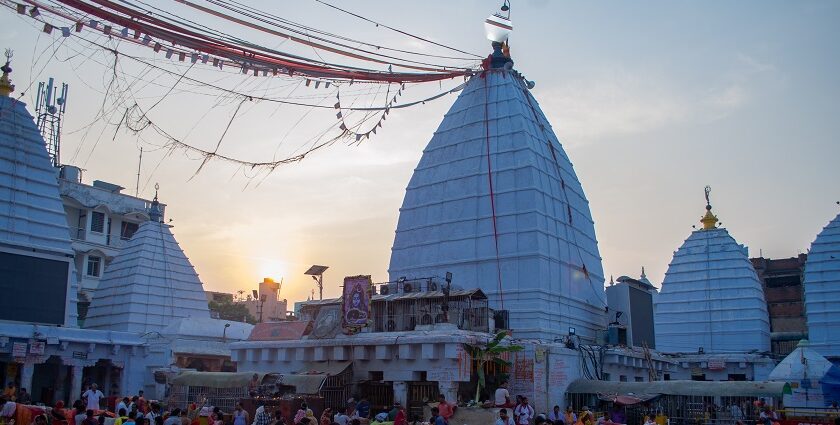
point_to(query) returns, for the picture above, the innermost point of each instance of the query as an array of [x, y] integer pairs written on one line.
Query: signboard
[[441, 375], [19, 349], [717, 365], [81, 355], [37, 347], [522, 381], [355, 307]]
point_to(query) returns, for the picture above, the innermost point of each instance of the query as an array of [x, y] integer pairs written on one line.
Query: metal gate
[[420, 393]]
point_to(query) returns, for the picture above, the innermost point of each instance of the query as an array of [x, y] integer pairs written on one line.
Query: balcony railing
[[81, 234]]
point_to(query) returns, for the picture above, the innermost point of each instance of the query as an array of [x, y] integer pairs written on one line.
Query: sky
[[652, 100]]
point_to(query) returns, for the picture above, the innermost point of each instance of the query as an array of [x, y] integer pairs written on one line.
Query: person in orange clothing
[[445, 409]]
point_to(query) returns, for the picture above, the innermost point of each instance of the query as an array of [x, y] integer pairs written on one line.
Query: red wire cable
[[143, 23], [490, 181]]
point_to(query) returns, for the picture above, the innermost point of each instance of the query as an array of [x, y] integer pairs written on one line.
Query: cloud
[[618, 104], [596, 107]]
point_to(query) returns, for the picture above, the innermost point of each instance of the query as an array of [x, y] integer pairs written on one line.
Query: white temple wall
[[716, 369]]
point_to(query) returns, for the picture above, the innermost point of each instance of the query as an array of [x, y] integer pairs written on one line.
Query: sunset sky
[[652, 101]]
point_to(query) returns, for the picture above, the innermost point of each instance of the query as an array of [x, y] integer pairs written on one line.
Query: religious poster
[[355, 307]]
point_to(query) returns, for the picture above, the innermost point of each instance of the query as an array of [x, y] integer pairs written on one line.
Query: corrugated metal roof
[[216, 379], [689, 388]]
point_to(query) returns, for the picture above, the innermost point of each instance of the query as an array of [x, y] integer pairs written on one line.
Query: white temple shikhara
[[149, 284], [822, 291], [496, 202], [711, 299]]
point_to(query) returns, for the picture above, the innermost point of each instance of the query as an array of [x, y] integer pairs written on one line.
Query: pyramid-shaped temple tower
[[36, 257], [711, 298], [822, 291], [496, 202], [149, 284]]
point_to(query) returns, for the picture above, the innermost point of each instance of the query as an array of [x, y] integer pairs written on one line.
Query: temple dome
[[495, 200], [148, 285], [711, 297], [822, 291], [32, 218]]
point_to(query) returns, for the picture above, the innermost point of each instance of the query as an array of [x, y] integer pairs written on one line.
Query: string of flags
[[151, 31], [358, 136]]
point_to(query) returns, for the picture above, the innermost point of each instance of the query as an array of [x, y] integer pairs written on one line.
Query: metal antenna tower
[[50, 109]]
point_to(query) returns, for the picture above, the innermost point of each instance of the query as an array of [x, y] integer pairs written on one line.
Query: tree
[[232, 311], [482, 355]]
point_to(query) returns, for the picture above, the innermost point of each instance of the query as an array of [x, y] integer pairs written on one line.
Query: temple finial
[[6, 86], [155, 214], [612, 282], [643, 273], [709, 220]]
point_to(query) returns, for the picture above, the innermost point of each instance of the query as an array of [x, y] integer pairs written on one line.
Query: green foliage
[[232, 311], [490, 353]]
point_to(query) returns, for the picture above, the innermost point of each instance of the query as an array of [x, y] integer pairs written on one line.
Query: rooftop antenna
[[50, 105], [139, 164]]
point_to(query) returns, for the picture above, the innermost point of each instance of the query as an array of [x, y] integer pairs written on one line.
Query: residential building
[[781, 280], [101, 219]]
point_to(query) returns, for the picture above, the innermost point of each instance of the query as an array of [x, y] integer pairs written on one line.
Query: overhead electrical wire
[[328, 34], [185, 35], [378, 24], [233, 51]]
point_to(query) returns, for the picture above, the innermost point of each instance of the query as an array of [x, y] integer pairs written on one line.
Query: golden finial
[[709, 220], [6, 86]]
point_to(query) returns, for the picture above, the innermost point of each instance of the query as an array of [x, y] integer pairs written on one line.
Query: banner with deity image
[[355, 307]]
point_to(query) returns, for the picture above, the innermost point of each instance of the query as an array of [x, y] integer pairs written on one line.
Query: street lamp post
[[317, 273]]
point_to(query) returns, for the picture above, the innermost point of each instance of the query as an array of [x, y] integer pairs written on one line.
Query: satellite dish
[[433, 286], [383, 290], [407, 287]]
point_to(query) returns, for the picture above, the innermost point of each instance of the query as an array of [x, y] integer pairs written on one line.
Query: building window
[[666, 377], [622, 378], [128, 229], [94, 266], [606, 376], [97, 222], [640, 379], [737, 377]]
